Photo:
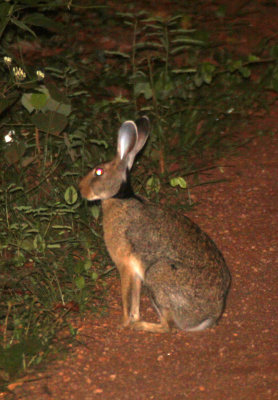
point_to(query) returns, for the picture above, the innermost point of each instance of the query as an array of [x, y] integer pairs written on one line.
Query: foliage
[[53, 257], [49, 266], [196, 96]]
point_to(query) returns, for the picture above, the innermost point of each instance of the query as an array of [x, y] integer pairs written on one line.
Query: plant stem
[[133, 59], [6, 324]]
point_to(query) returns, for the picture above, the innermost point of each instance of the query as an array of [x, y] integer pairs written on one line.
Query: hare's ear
[[131, 139], [127, 139], [143, 128]]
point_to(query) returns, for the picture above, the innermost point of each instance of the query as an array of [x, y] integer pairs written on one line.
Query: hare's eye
[[99, 171]]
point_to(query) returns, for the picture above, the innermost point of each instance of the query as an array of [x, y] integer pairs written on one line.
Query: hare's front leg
[[135, 298], [131, 287]]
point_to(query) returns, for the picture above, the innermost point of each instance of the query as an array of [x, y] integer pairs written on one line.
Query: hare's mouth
[[92, 197], [86, 192], [89, 195]]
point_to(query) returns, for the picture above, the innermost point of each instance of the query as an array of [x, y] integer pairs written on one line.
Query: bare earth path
[[238, 359]]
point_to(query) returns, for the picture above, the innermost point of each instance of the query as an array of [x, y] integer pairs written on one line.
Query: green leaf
[[181, 31], [116, 54], [143, 88], [47, 99], [198, 80], [23, 208], [8, 101], [56, 94], [245, 72], [27, 244], [221, 11], [39, 243], [179, 181], [50, 122], [188, 41], [274, 51], [27, 161], [14, 153], [26, 102], [11, 358], [95, 211], [71, 195], [61, 108], [87, 265], [15, 189], [23, 26], [62, 227], [163, 86], [120, 100], [5, 10], [253, 58], [37, 19], [235, 65], [184, 70], [99, 142], [207, 71], [94, 276], [80, 282], [153, 184], [146, 45], [273, 84], [38, 100], [179, 49]]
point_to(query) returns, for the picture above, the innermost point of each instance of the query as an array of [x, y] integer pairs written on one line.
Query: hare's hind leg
[[162, 327]]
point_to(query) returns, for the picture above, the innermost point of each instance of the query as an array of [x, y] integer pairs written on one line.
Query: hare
[[185, 274]]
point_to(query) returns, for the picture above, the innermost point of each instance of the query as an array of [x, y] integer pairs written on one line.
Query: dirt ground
[[238, 359]]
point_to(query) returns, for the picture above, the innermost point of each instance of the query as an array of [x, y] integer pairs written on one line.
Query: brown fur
[[185, 274]]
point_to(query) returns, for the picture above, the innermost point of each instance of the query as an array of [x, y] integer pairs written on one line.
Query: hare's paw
[[150, 327], [129, 321], [124, 324]]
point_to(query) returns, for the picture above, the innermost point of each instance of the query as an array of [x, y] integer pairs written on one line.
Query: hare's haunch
[[185, 274]]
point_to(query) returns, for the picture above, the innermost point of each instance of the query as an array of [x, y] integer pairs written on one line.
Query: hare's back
[[153, 234], [157, 233]]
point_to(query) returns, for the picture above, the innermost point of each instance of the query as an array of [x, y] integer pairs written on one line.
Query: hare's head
[[107, 179]]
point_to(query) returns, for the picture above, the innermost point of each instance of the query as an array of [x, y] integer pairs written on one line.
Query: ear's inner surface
[[127, 139]]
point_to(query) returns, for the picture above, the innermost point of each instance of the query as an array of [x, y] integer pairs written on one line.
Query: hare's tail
[[207, 323], [190, 326]]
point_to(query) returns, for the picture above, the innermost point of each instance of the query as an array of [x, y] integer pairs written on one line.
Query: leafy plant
[[195, 95], [49, 267]]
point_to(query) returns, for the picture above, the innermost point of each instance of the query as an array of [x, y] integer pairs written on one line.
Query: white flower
[[40, 75], [19, 74], [7, 61], [9, 137]]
